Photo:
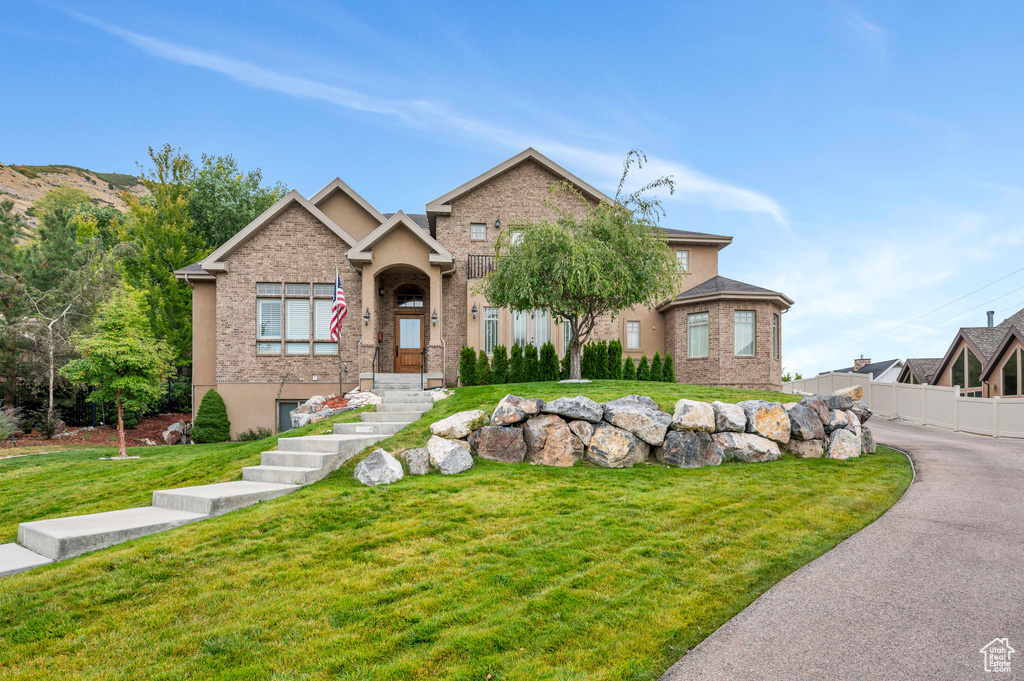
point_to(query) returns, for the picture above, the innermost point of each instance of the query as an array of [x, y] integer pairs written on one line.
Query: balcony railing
[[479, 265]]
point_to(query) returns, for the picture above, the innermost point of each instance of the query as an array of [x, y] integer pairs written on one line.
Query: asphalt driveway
[[916, 595]]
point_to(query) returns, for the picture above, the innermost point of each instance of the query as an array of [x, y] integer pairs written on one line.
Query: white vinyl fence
[[931, 405]]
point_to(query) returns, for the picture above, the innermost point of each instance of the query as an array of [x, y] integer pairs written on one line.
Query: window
[[296, 290], [408, 296], [697, 334], [566, 337], [744, 345], [632, 335], [541, 326], [1010, 375], [296, 348], [776, 338], [973, 370], [268, 318], [325, 348], [284, 415], [322, 318], [956, 375], [478, 231], [520, 335], [490, 329], [684, 260], [268, 289], [323, 290], [516, 237], [297, 319], [268, 348]]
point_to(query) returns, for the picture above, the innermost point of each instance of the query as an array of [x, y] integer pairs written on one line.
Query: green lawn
[[512, 571]]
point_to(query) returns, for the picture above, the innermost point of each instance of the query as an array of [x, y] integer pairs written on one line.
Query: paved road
[[916, 595]]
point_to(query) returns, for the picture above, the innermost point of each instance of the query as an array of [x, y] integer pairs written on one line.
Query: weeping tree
[[580, 267]]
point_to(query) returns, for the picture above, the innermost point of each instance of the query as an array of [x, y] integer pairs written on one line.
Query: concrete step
[[296, 459], [15, 559], [416, 399], [282, 475], [395, 393], [403, 406], [62, 538], [219, 498], [348, 445], [391, 416], [368, 428]]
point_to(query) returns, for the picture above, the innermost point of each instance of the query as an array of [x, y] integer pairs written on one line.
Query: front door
[[408, 343]]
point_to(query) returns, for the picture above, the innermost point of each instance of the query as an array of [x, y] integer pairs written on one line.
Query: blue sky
[[865, 156]]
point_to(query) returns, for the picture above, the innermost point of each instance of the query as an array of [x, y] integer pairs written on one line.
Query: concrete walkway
[[916, 595], [305, 461]]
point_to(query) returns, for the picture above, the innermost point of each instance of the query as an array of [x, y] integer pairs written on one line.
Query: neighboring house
[[261, 302], [985, 361], [887, 371], [919, 370]]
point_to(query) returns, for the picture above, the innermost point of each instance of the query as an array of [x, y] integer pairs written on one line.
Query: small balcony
[[479, 265]]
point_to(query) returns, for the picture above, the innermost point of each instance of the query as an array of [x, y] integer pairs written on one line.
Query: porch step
[[62, 538], [295, 459], [389, 394], [346, 444], [391, 416], [368, 428], [219, 498], [15, 559], [401, 405], [284, 475]]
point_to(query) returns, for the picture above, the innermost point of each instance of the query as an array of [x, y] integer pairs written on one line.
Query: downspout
[[444, 347]]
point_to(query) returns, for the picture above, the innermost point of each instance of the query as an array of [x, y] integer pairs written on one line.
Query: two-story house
[[262, 301]]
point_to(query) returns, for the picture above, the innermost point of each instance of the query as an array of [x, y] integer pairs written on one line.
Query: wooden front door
[[408, 343]]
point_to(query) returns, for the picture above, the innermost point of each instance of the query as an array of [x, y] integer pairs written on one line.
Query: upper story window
[[967, 366], [697, 334], [683, 258], [632, 335], [1011, 375], [478, 231], [516, 238], [776, 338], [296, 289], [744, 345], [320, 290], [408, 296]]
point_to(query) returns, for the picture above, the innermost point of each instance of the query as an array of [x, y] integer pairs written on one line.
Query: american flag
[[339, 309]]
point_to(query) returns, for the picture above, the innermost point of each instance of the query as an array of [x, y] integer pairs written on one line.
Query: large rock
[[862, 412], [474, 441], [417, 460], [805, 449], [819, 406], [854, 392], [577, 408], [842, 444], [839, 402], [583, 430], [688, 449], [837, 419], [171, 436], [449, 456], [867, 440], [324, 413], [640, 416], [804, 424], [501, 443], [693, 415], [767, 419], [459, 426], [512, 410], [729, 418], [613, 447], [379, 468], [549, 442], [745, 447]]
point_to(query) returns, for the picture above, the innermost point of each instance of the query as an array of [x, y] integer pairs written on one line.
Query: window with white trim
[[541, 328], [632, 335], [683, 258], [268, 318], [322, 318], [490, 329], [520, 329], [744, 333], [296, 318], [478, 231], [776, 337], [697, 334]]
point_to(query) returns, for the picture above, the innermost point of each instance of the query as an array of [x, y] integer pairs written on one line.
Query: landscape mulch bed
[[151, 428]]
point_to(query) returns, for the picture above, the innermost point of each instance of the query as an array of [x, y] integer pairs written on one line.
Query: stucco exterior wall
[[348, 215]]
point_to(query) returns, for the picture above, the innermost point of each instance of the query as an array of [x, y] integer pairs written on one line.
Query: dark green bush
[[643, 369], [548, 362], [531, 363], [211, 424], [516, 370], [615, 359], [467, 366], [563, 369], [668, 372], [628, 369], [483, 369], [252, 434], [656, 367]]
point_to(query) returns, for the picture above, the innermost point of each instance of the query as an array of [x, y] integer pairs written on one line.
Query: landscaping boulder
[[300, 419], [578, 408], [688, 449], [862, 412], [459, 426], [379, 468], [729, 418], [867, 441], [176, 433], [583, 430], [767, 419], [501, 443], [474, 441], [418, 461], [805, 449], [320, 415], [549, 442], [449, 456], [842, 444], [640, 416], [819, 406], [854, 392], [693, 415], [837, 419], [839, 402], [512, 410], [171, 437], [745, 447], [613, 447], [804, 424]]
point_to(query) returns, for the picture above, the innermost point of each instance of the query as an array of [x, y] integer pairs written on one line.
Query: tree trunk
[[122, 448], [50, 409], [575, 370]]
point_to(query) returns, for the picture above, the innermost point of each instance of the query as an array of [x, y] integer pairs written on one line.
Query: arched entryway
[[410, 328]]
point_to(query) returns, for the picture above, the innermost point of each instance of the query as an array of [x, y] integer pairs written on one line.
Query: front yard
[[512, 571]]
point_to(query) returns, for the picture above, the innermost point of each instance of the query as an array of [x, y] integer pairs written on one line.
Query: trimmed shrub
[[531, 363], [601, 359], [628, 369], [615, 359], [253, 434], [587, 361], [643, 369], [211, 424], [499, 365], [467, 366], [548, 362], [483, 369], [656, 367], [563, 370], [668, 372], [516, 373]]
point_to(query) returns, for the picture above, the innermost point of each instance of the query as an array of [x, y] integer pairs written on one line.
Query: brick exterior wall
[[294, 248]]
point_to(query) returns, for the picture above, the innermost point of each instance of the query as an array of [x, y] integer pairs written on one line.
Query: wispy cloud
[[436, 117], [864, 31]]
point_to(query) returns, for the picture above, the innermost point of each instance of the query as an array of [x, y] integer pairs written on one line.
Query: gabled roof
[[363, 251], [1013, 333], [720, 287], [214, 261], [337, 185], [982, 340], [923, 368], [443, 204], [419, 218], [873, 369], [193, 272], [696, 237], [1016, 319]]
